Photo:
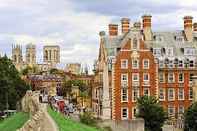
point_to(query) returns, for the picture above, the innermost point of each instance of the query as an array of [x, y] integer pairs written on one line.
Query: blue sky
[[75, 24]]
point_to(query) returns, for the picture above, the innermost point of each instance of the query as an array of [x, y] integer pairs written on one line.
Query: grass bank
[[14, 122], [65, 124]]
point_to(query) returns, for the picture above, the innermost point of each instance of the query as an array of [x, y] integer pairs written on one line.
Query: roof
[[166, 40]]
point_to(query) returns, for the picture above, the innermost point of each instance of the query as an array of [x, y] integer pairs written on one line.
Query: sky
[[74, 25]]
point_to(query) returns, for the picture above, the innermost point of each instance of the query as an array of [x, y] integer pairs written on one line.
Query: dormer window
[[169, 51], [135, 44], [158, 38], [157, 51], [179, 38], [189, 51]]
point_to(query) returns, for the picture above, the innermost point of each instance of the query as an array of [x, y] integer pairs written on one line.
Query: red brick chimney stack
[[146, 23], [125, 22], [188, 27], [113, 29]]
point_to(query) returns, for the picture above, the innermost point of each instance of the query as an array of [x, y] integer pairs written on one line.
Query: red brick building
[[139, 61]]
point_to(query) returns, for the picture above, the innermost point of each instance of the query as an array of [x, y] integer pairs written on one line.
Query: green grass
[[14, 122], [66, 124]]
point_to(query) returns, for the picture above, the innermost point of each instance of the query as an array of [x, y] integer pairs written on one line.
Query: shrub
[[88, 118]]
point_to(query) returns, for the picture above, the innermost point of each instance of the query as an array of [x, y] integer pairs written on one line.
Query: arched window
[[135, 46]]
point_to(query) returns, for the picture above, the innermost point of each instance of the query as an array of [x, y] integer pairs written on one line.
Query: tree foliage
[[29, 70], [152, 113], [12, 87], [191, 118]]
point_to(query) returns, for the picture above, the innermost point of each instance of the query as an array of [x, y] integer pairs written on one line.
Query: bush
[[88, 118]]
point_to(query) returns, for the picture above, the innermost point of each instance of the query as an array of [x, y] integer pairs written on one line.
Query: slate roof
[[168, 40]]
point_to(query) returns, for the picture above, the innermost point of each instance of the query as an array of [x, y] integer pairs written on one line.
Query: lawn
[[65, 124], [14, 122]]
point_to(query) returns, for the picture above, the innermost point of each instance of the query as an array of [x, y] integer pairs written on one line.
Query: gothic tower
[[31, 54], [17, 56]]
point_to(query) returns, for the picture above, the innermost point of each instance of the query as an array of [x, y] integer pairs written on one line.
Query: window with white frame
[[180, 64], [146, 77], [161, 64], [181, 109], [124, 80], [171, 94], [135, 44], [135, 94], [135, 77], [191, 77], [191, 63], [124, 113], [135, 64], [161, 77], [146, 63], [124, 94], [124, 64], [181, 94], [169, 51], [181, 77], [161, 94], [189, 51], [190, 93], [157, 51], [171, 110], [146, 92], [134, 112], [171, 64], [170, 77]]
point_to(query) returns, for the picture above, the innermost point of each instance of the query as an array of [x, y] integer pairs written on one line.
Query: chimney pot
[[188, 27], [113, 29], [125, 25], [146, 20]]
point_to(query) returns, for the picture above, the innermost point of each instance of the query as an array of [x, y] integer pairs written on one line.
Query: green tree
[[12, 87], [54, 71], [191, 118], [29, 70], [152, 113]]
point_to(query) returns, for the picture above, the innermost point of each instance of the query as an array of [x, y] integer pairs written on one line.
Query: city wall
[[127, 125], [31, 105]]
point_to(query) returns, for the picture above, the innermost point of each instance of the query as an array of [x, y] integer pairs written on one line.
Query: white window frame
[[147, 89], [134, 108], [127, 113], [161, 64], [163, 92], [157, 51], [169, 93], [169, 81], [124, 65], [181, 112], [182, 78], [137, 46], [163, 76], [148, 63], [190, 93], [180, 64], [135, 74], [123, 94], [124, 82], [181, 90], [134, 98], [169, 51], [173, 110], [171, 64], [146, 74], [192, 62], [137, 66]]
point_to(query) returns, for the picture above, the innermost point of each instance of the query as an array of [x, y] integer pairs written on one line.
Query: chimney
[[195, 27], [188, 27], [125, 22], [113, 29], [146, 19]]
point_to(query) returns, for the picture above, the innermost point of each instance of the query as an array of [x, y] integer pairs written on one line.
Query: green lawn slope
[[66, 124], [14, 122]]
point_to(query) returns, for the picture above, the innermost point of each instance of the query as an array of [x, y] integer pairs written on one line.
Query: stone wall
[[127, 125], [31, 105]]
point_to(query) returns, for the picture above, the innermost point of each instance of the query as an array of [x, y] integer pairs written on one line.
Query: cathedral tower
[[31, 54]]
